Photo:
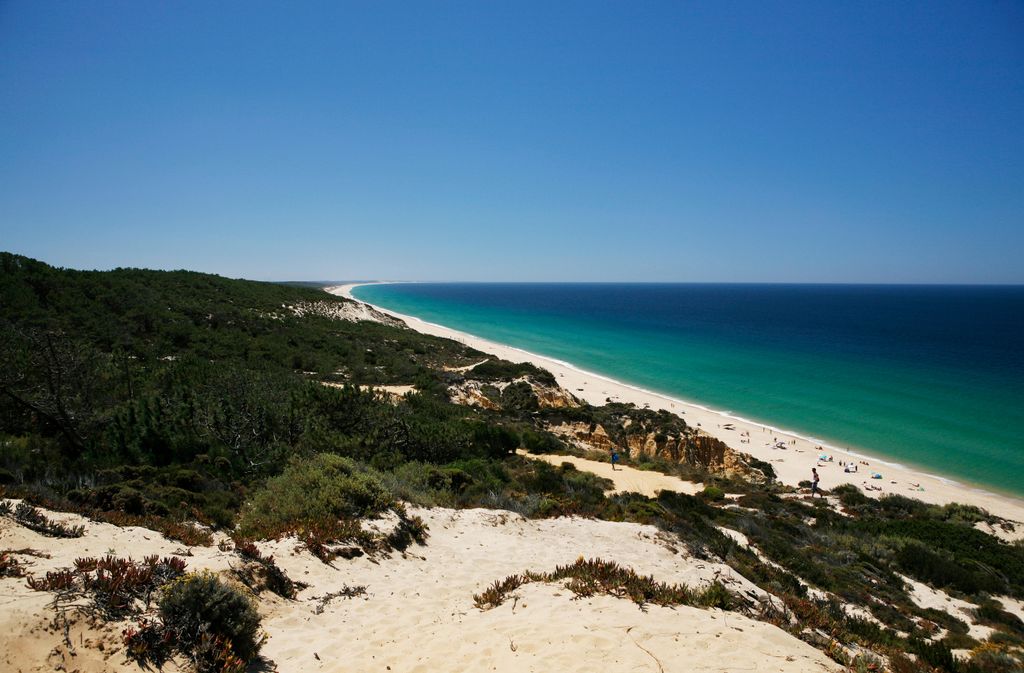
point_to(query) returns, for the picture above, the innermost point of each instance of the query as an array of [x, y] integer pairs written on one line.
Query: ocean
[[927, 376]]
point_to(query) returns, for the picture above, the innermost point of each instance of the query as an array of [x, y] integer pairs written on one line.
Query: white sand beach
[[790, 454]]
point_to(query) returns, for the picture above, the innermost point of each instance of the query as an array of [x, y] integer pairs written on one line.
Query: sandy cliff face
[[633, 439], [554, 397], [350, 310], [471, 394], [698, 450]]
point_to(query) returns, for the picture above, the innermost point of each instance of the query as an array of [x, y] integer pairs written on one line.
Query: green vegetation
[[502, 370], [320, 488], [212, 623], [164, 398], [321, 499]]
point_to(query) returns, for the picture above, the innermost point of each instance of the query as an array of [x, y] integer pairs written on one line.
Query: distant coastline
[[792, 464]]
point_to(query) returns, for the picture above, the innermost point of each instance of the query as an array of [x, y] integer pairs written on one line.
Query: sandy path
[[625, 478]]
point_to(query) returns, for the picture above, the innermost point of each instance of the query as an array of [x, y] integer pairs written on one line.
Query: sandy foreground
[[792, 463], [417, 613]]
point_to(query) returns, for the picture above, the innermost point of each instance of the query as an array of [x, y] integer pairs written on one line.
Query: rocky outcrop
[[692, 448], [489, 395], [587, 436], [633, 432], [471, 394], [554, 397]]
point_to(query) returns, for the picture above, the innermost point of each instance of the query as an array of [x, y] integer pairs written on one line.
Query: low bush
[[542, 442], [713, 493], [959, 641], [503, 370], [991, 613], [312, 491], [495, 441], [519, 396], [170, 528], [425, 484], [942, 569], [938, 655], [992, 660], [850, 495], [213, 623]]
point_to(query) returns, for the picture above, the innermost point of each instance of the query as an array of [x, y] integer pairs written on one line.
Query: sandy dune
[[418, 613]]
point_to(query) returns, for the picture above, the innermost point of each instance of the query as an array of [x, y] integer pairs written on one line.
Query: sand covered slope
[[417, 612]]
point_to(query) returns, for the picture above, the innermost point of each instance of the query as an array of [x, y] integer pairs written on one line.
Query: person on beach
[[814, 482], [615, 459]]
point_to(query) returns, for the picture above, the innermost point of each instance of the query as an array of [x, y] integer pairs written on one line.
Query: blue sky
[[676, 141]]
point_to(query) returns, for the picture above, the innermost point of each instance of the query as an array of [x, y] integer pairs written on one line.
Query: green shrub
[[937, 654], [715, 595], [764, 467], [425, 484], [850, 495], [409, 529], [935, 544], [991, 613], [713, 493], [312, 490], [1004, 638], [542, 442], [867, 632], [200, 609], [992, 661], [519, 396], [503, 370], [495, 440], [960, 641], [957, 512]]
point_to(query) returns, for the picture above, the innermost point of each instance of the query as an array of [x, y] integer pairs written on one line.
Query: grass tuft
[[591, 577]]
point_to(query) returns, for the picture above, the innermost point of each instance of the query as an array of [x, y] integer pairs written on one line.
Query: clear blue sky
[[675, 141]]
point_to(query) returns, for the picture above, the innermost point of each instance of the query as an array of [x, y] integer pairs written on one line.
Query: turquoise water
[[927, 376]]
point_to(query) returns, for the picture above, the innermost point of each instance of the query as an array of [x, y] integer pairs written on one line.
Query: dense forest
[[164, 398]]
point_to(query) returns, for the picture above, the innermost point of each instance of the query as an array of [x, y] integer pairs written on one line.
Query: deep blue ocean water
[[930, 376]]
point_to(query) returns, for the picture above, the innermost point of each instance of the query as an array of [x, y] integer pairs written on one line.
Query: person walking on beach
[[814, 483], [615, 459]]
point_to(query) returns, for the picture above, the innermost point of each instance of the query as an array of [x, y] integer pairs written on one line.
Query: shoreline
[[792, 464]]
